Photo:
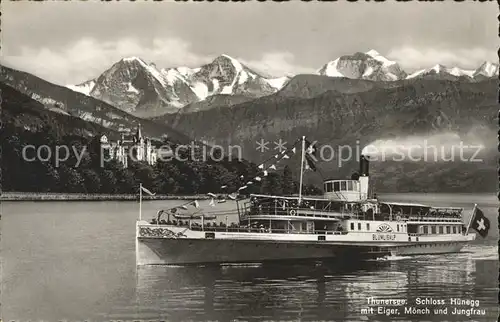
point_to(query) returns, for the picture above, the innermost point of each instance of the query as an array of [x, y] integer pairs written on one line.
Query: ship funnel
[[364, 165]]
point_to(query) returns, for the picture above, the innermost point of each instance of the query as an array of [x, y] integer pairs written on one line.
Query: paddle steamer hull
[[171, 245], [428, 249], [162, 251]]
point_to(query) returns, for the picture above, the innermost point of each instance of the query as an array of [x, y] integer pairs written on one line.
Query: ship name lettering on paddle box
[[384, 236]]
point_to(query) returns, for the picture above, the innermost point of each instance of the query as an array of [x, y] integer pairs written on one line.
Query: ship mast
[[302, 167]]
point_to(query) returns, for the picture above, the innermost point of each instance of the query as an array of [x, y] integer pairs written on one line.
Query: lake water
[[75, 261]]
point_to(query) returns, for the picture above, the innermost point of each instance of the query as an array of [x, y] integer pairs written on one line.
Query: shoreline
[[53, 196]]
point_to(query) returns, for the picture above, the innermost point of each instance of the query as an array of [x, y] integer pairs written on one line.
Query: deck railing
[[242, 229]]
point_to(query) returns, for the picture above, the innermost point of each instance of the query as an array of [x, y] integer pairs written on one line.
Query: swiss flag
[[480, 223]]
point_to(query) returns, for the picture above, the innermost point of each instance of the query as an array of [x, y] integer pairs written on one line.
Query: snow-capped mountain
[[442, 72], [486, 70], [84, 88], [370, 65], [226, 75], [141, 89]]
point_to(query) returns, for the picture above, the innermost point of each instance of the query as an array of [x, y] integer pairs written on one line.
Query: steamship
[[346, 224]]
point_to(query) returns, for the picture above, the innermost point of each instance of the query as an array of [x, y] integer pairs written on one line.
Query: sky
[[68, 42]]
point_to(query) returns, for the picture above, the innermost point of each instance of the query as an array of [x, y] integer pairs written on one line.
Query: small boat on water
[[347, 224]]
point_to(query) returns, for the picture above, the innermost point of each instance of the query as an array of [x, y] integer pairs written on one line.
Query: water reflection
[[300, 291]]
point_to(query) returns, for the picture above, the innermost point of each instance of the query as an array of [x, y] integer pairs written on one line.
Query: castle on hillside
[[132, 148]]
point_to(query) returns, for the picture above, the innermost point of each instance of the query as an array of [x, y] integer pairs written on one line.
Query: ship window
[[367, 226], [343, 186], [349, 186], [359, 226], [329, 187], [433, 229], [397, 227], [352, 226], [448, 229], [336, 186], [426, 230], [441, 230], [454, 229]]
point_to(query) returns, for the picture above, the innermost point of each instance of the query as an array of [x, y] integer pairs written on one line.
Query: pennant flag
[[276, 156], [196, 204], [242, 176], [212, 202], [249, 182], [272, 167], [241, 188], [183, 207], [480, 223], [211, 195], [286, 156], [257, 178], [309, 163], [223, 187], [265, 173], [147, 191], [294, 150], [261, 166]]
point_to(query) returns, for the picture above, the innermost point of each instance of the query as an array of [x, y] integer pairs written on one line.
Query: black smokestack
[[364, 165]]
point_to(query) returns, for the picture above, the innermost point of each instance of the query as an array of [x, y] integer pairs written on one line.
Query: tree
[[108, 182], [71, 180], [91, 181]]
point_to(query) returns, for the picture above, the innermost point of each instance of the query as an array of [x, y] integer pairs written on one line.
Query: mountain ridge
[[144, 90]]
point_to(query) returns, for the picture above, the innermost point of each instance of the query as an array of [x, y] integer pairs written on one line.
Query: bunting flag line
[[280, 156], [311, 148], [309, 163], [196, 204], [212, 202]]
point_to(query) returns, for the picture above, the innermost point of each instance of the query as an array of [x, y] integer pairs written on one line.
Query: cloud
[[277, 64], [87, 58], [413, 58]]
